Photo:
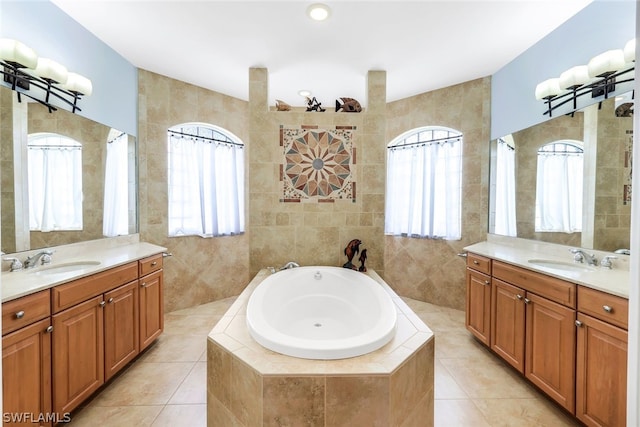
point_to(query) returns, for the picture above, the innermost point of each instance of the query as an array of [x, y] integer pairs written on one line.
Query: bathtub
[[321, 313]]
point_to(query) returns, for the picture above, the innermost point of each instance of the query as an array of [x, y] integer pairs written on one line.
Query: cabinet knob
[[607, 308], [578, 323], [486, 282], [143, 284], [110, 300], [527, 301], [519, 296], [20, 314], [102, 304], [475, 262], [49, 329], [154, 263]]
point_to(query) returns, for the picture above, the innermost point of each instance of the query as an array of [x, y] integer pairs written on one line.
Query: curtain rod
[[206, 138], [431, 141]]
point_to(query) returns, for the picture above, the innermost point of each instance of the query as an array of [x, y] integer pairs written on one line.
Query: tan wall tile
[[357, 401], [293, 401]]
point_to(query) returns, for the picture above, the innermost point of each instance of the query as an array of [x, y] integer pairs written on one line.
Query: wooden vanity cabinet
[[601, 364], [121, 328], [534, 331], [478, 310], [151, 302], [26, 357]]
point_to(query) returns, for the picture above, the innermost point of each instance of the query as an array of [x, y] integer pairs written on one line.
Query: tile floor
[[166, 385]]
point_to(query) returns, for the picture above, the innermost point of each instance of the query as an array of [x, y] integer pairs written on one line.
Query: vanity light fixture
[[598, 78], [40, 79], [318, 11]]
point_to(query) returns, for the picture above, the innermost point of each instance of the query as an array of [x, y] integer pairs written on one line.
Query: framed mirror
[[107, 198], [605, 131]]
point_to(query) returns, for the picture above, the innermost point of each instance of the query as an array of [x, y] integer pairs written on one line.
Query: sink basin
[[561, 265], [66, 267]]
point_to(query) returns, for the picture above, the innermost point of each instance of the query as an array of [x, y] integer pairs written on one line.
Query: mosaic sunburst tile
[[318, 164]]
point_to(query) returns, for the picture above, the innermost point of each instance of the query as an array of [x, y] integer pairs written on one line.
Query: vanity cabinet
[[151, 302], [534, 331], [478, 304], [601, 365], [26, 357], [96, 324]]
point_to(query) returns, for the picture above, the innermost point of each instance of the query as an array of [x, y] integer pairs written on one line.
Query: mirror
[[21, 119], [606, 129]]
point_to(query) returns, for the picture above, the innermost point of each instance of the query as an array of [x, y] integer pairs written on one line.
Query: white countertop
[[614, 281], [24, 282]]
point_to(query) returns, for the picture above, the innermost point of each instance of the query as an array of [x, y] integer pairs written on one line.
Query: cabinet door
[[478, 311], [551, 349], [78, 354], [601, 370], [121, 328], [508, 325], [151, 308], [26, 373]]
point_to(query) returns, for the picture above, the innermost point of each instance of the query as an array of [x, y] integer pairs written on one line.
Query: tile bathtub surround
[[462, 398], [252, 386]]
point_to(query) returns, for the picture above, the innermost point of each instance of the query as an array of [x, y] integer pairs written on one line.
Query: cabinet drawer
[[75, 292], [606, 307], [150, 264], [549, 287], [479, 263], [26, 310]]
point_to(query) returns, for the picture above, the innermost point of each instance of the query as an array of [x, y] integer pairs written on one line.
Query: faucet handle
[[578, 255], [16, 264], [606, 261]]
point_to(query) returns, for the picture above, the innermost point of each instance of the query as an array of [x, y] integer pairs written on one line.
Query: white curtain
[[505, 218], [55, 184], [424, 190], [559, 193], [206, 188], [115, 220]]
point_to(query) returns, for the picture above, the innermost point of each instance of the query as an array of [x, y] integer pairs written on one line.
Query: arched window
[[55, 182], [424, 175], [206, 181], [559, 187]]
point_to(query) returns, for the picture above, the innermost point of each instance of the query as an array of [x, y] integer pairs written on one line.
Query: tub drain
[[317, 325]]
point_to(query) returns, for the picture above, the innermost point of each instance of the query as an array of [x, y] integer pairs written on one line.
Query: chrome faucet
[[580, 256], [606, 261], [45, 256], [289, 265], [15, 263]]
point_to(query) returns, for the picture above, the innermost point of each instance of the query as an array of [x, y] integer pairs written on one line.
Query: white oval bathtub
[[321, 313]]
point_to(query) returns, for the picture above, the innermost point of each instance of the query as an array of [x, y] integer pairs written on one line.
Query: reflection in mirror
[[606, 178], [108, 206]]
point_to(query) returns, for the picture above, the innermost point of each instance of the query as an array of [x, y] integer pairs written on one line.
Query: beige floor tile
[[460, 344], [176, 348], [180, 324], [212, 308], [445, 386], [193, 389], [144, 384], [182, 416], [487, 379], [458, 413], [139, 416], [523, 413]]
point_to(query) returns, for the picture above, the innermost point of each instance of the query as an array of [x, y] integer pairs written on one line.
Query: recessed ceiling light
[[318, 11], [304, 92]]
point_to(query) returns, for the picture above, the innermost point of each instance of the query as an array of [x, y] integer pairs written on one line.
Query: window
[[559, 187], [115, 218], [424, 174], [206, 181], [55, 182], [505, 192]]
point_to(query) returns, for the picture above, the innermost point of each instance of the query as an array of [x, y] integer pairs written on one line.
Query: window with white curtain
[[505, 209], [559, 187], [55, 182], [424, 181], [206, 181], [115, 217]]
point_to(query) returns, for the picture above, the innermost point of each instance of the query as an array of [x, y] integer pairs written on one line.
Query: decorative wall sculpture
[[318, 164]]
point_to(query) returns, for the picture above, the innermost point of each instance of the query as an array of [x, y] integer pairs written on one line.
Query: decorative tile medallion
[[318, 164]]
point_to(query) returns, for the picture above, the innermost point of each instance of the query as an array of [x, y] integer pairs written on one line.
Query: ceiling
[[422, 45]]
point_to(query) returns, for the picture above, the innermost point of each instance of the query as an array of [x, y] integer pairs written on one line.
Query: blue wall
[[601, 26], [49, 31]]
